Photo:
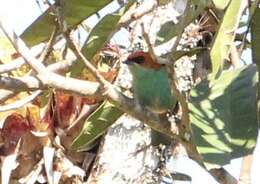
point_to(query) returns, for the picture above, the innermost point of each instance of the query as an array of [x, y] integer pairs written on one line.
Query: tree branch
[[49, 46], [6, 94], [15, 64], [19, 84], [20, 46], [80, 56], [48, 78], [76, 50], [130, 106], [149, 44], [234, 56], [135, 13], [222, 176], [244, 177], [20, 103], [87, 88], [91, 88]]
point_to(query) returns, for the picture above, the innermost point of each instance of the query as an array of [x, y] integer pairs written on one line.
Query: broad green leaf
[[225, 36], [255, 41], [170, 30], [97, 123], [221, 4], [223, 115], [75, 11], [98, 37]]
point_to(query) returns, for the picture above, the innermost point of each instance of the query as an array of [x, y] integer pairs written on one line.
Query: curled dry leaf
[[17, 137], [26, 165], [32, 177], [38, 123], [67, 108], [42, 127], [15, 127]]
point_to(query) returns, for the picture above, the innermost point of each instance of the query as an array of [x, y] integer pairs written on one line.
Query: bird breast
[[152, 89]]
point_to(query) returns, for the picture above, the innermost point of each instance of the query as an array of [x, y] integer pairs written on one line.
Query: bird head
[[143, 60]]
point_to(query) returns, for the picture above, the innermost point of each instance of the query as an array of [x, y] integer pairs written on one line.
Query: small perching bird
[[151, 85]]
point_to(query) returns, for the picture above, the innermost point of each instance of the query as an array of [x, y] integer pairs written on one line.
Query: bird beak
[[128, 62]]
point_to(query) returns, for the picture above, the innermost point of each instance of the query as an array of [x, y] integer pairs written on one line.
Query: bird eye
[[138, 59]]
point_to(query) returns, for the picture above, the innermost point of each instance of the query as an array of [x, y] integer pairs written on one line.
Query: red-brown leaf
[[14, 128]]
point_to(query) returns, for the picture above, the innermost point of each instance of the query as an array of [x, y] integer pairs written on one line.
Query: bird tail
[[158, 138]]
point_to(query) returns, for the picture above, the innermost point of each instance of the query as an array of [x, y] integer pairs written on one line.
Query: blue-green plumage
[[151, 88]]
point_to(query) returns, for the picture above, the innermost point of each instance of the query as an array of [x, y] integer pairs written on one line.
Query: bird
[[151, 88]]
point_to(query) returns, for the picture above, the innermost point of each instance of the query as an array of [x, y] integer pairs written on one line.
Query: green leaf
[[96, 124], [223, 115], [98, 37], [75, 11], [180, 53], [221, 4], [255, 41], [225, 36], [170, 30]]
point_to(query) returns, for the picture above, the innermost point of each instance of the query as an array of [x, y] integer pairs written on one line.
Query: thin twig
[[6, 94], [184, 127], [91, 88], [182, 23], [73, 46], [17, 63], [45, 76], [61, 65], [222, 176], [252, 8], [22, 48], [81, 87], [49, 46], [130, 106], [234, 56], [30, 82], [19, 83], [244, 177], [12, 65], [135, 13], [20, 103], [116, 97], [80, 56], [149, 44]]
